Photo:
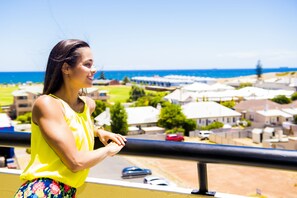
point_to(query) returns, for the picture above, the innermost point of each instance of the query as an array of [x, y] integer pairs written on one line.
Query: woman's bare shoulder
[[46, 102], [46, 107], [44, 99]]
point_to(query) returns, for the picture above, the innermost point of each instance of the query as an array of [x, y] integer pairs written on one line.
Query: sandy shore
[[264, 76]]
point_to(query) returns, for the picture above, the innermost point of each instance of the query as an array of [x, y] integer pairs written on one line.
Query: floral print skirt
[[45, 187]]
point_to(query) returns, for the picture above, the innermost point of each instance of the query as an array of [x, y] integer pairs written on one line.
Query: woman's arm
[[48, 115], [103, 135]]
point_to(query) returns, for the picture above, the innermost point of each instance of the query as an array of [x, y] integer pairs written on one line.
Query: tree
[[229, 104], [118, 116], [102, 75], [246, 84], [259, 69], [189, 125], [151, 99], [136, 92], [25, 118], [100, 107], [294, 96], [126, 80], [171, 116], [213, 125], [281, 99]]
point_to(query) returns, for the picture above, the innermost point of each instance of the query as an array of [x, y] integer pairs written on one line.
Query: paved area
[[241, 180]]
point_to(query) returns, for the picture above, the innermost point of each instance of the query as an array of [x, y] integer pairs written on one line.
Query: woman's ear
[[66, 69]]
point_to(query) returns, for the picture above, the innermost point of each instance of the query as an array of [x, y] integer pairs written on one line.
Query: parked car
[[174, 137], [135, 171], [154, 180], [204, 135]]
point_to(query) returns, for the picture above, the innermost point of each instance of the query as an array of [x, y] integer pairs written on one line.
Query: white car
[[203, 135], [154, 180]]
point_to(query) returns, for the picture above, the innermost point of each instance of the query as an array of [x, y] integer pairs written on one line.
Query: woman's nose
[[93, 69]]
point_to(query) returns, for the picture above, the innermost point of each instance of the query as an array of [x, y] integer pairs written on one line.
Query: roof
[[180, 95], [274, 112], [207, 110], [140, 115], [136, 115], [253, 105], [292, 111], [197, 87]]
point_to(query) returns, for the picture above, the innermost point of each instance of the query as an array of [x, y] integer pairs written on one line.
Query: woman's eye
[[87, 65]]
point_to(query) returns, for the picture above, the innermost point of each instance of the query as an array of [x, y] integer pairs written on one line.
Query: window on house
[[22, 97], [23, 105]]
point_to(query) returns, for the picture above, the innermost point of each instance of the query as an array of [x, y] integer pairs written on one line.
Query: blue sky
[[152, 34]]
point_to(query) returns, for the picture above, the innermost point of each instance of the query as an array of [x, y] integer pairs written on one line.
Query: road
[[111, 168]]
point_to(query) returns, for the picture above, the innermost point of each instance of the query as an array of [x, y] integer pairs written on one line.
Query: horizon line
[[227, 68]]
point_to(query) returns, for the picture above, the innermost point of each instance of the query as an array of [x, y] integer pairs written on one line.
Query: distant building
[[101, 82], [266, 112], [24, 98], [207, 112], [139, 118], [171, 80]]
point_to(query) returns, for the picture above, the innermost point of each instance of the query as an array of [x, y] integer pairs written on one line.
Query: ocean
[[37, 77]]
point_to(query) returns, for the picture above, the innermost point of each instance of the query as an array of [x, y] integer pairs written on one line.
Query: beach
[[265, 76]]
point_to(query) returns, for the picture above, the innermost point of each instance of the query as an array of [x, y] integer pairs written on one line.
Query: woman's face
[[82, 74]]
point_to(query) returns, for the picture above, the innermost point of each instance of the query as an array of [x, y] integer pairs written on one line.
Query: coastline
[[265, 76], [38, 76]]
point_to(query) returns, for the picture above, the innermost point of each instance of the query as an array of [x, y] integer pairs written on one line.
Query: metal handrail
[[201, 153]]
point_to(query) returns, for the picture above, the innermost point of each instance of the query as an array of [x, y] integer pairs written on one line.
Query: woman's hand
[[113, 148], [106, 136]]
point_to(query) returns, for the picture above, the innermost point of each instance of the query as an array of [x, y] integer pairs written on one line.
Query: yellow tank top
[[46, 163]]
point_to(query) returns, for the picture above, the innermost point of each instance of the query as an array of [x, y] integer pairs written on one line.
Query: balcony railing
[[201, 153]]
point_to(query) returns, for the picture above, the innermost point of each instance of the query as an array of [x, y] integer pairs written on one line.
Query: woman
[[62, 130]]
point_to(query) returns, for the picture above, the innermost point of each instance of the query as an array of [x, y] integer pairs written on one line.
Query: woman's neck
[[70, 96]]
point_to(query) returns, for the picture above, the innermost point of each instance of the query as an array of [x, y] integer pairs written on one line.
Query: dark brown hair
[[64, 52]]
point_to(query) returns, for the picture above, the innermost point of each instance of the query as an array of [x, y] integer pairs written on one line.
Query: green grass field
[[117, 93], [6, 97]]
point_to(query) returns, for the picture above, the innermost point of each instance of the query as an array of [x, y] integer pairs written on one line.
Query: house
[[266, 112], [205, 113], [24, 98], [248, 107], [238, 81], [171, 80], [102, 82], [285, 83], [180, 97], [138, 118], [97, 94], [272, 117]]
